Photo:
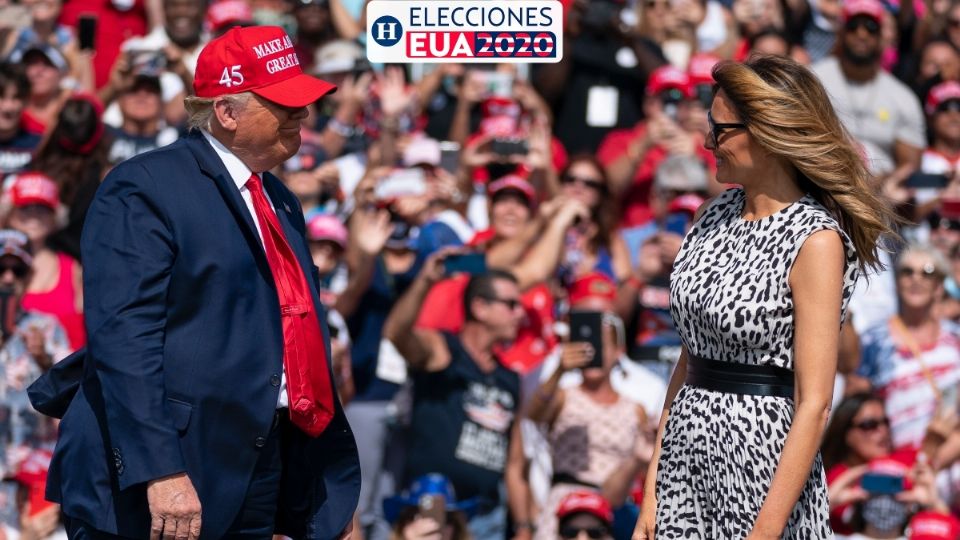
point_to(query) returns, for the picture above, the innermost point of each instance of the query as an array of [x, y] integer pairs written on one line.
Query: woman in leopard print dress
[[758, 293]]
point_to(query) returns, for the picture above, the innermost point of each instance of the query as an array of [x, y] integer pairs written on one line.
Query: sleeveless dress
[[731, 301]]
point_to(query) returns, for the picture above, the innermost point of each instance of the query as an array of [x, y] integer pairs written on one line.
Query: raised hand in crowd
[[422, 528], [924, 491], [575, 356], [369, 229], [41, 525], [36, 342], [476, 153], [395, 96], [846, 490]]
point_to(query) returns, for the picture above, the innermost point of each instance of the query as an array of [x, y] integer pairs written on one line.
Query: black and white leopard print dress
[[730, 300]]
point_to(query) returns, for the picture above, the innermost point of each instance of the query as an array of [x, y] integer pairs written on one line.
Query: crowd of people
[[458, 214]]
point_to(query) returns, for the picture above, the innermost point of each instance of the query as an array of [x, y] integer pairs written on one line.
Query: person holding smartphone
[[593, 431], [429, 510], [759, 292]]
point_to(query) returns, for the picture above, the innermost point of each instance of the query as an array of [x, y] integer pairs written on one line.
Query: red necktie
[[309, 389]]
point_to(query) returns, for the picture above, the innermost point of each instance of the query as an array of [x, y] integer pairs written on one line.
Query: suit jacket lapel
[[213, 167]]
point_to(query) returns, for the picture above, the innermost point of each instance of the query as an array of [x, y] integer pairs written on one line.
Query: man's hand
[[36, 345], [174, 508]]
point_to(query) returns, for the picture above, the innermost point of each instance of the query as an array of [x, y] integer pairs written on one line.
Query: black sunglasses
[[716, 130], [928, 271], [596, 533], [871, 424], [937, 222], [511, 303], [872, 26], [19, 270], [568, 178], [951, 105]]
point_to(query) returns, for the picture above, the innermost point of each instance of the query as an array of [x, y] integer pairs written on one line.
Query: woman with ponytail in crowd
[[758, 292]]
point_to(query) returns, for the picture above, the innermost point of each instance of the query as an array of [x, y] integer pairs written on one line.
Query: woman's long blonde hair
[[788, 112]]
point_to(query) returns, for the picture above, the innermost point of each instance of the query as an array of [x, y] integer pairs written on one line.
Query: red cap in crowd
[[688, 202], [941, 93], [512, 181], [225, 12], [588, 502], [666, 78], [326, 227], [870, 8], [592, 285], [700, 68], [933, 526], [258, 59], [34, 188]]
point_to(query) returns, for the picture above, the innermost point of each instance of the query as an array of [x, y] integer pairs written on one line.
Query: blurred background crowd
[[458, 214]]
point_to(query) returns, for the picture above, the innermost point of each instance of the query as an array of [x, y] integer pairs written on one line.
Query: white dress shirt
[[240, 174]]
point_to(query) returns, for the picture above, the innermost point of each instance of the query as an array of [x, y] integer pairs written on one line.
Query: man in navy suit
[[206, 408]]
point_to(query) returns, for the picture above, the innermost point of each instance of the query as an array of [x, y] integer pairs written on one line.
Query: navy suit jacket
[[185, 351]]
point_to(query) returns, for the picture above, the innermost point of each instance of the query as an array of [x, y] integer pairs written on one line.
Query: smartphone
[[508, 146], [435, 508], [144, 62], [450, 156], [881, 484], [676, 223], [497, 83], [86, 31], [465, 263], [950, 208], [587, 326], [402, 183], [926, 180]]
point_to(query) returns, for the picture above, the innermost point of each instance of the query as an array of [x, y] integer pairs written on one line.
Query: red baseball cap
[[35, 188], [592, 285], [870, 8], [512, 181], [258, 59], [588, 502], [940, 93], [225, 12], [933, 526], [700, 68], [665, 78]]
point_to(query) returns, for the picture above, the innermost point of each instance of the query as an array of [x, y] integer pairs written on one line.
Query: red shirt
[[113, 28], [636, 200]]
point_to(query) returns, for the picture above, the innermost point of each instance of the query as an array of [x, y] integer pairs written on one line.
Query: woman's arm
[[616, 488], [816, 282], [646, 523]]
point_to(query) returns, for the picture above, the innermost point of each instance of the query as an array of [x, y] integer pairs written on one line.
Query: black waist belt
[[734, 378]]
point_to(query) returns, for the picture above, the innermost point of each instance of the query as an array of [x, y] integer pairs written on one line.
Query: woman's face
[[946, 121], [868, 436], [508, 214], [938, 57], [583, 181], [44, 77], [739, 158], [43, 11], [34, 220], [919, 284], [326, 255]]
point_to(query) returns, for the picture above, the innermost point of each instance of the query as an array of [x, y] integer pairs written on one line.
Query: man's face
[[141, 104], [14, 274], [44, 76], [183, 20], [503, 313], [11, 106], [271, 128], [861, 40]]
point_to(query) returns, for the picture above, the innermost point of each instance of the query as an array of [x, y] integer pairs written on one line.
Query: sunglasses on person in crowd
[[19, 270], [511, 303], [571, 532], [716, 130], [950, 105], [937, 222], [592, 183], [872, 26], [871, 424], [928, 271]]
